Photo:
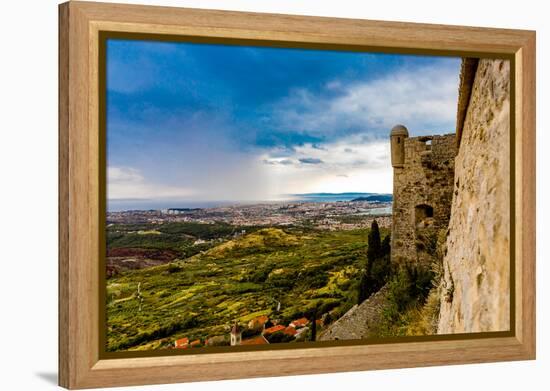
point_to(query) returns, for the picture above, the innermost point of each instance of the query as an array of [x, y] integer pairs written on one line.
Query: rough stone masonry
[[476, 294], [460, 184], [423, 173], [359, 320]]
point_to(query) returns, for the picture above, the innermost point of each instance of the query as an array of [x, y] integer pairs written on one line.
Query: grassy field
[[201, 293]]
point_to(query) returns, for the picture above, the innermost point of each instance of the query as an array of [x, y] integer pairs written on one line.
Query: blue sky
[[214, 122]]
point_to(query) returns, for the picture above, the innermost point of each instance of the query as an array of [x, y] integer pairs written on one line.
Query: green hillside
[[236, 280]]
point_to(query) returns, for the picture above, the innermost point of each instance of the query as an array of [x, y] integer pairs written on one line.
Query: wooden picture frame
[[82, 365]]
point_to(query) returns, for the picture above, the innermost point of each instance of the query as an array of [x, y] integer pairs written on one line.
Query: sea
[[141, 204]]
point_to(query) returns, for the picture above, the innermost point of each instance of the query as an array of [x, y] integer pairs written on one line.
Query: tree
[[385, 248], [279, 337], [374, 249], [381, 268], [377, 269], [312, 313], [363, 289], [314, 325]]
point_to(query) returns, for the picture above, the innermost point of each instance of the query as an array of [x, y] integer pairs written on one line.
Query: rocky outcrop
[[476, 282], [358, 321]]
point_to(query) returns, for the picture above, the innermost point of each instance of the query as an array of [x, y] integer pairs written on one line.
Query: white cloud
[[349, 164], [418, 98], [358, 121], [310, 160], [129, 183], [204, 162], [123, 175]]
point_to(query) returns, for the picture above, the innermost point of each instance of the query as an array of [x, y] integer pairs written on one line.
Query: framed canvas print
[[247, 195]]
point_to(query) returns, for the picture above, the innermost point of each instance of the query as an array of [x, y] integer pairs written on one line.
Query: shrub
[[173, 268], [156, 333], [244, 287], [317, 281], [408, 291], [218, 340], [259, 275], [279, 337], [247, 333]]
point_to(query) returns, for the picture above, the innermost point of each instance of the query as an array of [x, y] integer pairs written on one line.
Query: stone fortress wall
[[422, 189], [359, 320], [461, 185], [456, 188], [476, 282]]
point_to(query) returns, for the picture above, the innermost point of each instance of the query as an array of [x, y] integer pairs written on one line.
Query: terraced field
[[282, 273]]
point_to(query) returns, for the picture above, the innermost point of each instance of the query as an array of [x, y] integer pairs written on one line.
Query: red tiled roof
[[290, 331], [195, 343], [300, 322], [262, 319], [260, 340], [274, 329], [258, 321], [181, 343]]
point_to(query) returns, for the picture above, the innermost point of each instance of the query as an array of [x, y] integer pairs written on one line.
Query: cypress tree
[[363, 289], [314, 325], [370, 280], [374, 249], [385, 249]]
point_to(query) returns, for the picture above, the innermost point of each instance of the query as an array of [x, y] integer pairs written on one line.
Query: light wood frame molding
[[80, 362]]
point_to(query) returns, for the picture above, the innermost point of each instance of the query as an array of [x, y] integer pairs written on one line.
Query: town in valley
[[235, 274]]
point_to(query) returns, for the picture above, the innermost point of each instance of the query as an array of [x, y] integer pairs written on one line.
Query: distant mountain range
[[188, 205], [375, 198], [351, 196], [334, 194], [329, 197]]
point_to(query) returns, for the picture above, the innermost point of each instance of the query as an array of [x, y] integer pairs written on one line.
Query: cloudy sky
[[214, 122]]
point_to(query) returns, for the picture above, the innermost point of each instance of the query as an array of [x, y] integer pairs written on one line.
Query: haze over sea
[[118, 205]]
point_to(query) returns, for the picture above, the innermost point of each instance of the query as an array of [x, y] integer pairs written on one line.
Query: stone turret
[[398, 135], [423, 179]]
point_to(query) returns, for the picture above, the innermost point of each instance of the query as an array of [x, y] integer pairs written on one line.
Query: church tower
[[236, 335]]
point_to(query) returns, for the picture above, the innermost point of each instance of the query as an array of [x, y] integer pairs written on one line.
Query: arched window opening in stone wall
[[423, 215]]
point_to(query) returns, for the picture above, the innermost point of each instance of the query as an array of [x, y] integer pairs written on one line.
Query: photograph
[[260, 195], [274, 194]]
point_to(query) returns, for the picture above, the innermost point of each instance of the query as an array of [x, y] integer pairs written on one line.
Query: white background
[[28, 217]]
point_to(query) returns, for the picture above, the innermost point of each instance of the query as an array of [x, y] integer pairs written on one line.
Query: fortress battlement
[[423, 179]]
